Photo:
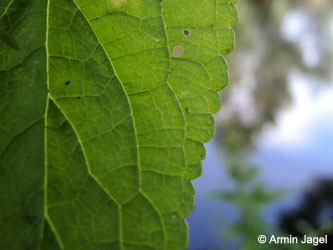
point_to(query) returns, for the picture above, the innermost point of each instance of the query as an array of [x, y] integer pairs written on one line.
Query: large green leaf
[[104, 106]]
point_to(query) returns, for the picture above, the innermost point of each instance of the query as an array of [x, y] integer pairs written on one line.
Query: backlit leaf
[[104, 108]]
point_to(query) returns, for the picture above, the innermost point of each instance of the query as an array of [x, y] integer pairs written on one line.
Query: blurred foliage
[[250, 196], [313, 216], [260, 68], [264, 60]]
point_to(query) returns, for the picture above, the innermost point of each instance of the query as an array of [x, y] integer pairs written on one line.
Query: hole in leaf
[[178, 51], [78, 97], [186, 32], [67, 83]]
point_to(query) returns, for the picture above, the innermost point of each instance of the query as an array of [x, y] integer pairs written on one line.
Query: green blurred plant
[[248, 194], [251, 196], [262, 65]]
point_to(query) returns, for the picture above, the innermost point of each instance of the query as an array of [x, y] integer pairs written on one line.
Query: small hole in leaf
[[178, 51], [67, 83], [78, 97], [186, 32]]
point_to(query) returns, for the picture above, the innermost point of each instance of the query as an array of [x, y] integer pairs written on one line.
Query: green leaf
[[103, 112]]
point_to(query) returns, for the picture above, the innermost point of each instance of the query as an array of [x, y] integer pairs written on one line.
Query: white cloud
[[298, 125]]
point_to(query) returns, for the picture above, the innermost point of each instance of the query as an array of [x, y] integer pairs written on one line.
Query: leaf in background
[[104, 110]]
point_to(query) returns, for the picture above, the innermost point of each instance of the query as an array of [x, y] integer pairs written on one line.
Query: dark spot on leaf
[[67, 83], [187, 110], [186, 32], [78, 97], [9, 39], [31, 219]]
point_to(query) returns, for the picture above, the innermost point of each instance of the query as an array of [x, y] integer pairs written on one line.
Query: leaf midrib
[[46, 216]]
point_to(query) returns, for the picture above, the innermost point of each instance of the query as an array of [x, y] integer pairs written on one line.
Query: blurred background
[[269, 168]]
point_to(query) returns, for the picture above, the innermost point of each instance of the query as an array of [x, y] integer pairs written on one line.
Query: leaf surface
[[104, 108]]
